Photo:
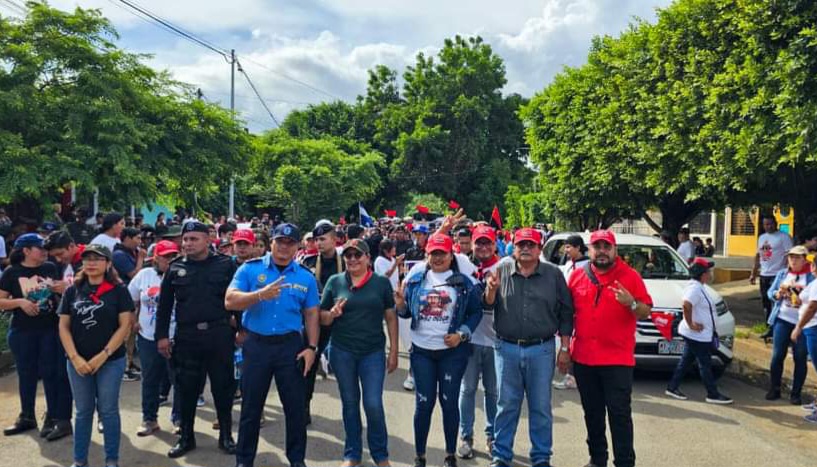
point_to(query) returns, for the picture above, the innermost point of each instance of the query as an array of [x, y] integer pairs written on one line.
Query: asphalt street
[[668, 432]]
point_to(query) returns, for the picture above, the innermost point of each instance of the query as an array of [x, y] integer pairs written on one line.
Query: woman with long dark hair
[[96, 316], [27, 290]]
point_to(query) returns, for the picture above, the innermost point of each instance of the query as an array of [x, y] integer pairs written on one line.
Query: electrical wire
[[16, 7], [296, 80], [257, 94]]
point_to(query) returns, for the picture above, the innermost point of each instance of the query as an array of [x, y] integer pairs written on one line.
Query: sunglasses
[[353, 254], [526, 245]]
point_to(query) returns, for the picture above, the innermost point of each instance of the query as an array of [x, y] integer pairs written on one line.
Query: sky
[[300, 52]]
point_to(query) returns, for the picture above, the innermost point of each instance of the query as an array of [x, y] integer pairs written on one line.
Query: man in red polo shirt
[[609, 297]]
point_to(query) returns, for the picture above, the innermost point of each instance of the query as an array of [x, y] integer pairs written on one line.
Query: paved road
[[668, 432]]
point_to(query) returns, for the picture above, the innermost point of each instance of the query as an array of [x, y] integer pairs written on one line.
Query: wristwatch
[[463, 336], [634, 305], [314, 349], [564, 349]]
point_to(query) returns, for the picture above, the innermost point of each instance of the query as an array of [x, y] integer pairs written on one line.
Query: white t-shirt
[[382, 266], [808, 295], [145, 287], [687, 250], [570, 266], [772, 249], [437, 305], [788, 312], [68, 274], [695, 293], [463, 263], [105, 240]]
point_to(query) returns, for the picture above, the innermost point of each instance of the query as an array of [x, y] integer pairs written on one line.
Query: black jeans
[[607, 390], [702, 353], [765, 285]]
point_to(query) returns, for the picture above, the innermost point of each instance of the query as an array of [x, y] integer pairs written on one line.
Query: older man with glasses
[[531, 304]]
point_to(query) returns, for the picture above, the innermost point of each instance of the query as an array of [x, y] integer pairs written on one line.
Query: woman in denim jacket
[[445, 307], [784, 293]]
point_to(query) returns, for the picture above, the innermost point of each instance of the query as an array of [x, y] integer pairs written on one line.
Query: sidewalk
[[752, 354]]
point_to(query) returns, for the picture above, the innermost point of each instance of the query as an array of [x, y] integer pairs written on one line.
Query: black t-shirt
[[94, 323], [34, 281]]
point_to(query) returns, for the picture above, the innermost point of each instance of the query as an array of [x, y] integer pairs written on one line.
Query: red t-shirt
[[604, 332]]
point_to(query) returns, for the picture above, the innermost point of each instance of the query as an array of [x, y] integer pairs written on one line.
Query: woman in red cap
[[144, 290], [445, 308]]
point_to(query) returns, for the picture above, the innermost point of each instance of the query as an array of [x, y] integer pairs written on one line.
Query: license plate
[[671, 347]]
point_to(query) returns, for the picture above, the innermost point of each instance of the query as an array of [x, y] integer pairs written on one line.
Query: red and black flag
[[496, 220]]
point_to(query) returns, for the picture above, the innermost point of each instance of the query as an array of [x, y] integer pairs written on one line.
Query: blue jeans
[[154, 370], [481, 362], [810, 336], [369, 372], [437, 370], [38, 354], [263, 360], [782, 342], [702, 353], [524, 371], [98, 392]]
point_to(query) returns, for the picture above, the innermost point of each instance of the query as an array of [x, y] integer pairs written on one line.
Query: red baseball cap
[[484, 231], [243, 235], [603, 236], [164, 247], [439, 242], [527, 234]]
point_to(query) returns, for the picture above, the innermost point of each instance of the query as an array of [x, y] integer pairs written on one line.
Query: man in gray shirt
[[531, 304]]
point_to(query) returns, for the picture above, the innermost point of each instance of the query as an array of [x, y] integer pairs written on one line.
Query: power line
[[296, 80], [257, 94], [16, 7], [177, 30]]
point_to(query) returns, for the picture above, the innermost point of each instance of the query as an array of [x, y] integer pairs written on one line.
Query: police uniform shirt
[[282, 315], [196, 289]]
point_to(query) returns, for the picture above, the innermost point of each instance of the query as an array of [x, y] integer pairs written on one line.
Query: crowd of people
[[182, 302]]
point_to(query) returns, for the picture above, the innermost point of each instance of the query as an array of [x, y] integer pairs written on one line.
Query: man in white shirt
[[685, 246], [769, 260], [112, 225]]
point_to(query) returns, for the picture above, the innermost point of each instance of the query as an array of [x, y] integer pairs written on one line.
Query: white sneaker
[[200, 402], [568, 382], [408, 384]]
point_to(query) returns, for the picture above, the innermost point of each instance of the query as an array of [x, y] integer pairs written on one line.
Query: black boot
[[185, 444], [48, 426], [22, 424], [62, 428], [226, 442]]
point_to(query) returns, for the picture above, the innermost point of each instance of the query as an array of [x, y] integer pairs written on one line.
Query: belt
[[524, 342], [204, 325], [275, 338]]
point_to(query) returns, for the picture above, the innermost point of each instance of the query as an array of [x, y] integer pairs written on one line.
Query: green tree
[[75, 108], [312, 178]]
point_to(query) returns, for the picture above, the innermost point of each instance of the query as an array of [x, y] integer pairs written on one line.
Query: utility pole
[[232, 113]]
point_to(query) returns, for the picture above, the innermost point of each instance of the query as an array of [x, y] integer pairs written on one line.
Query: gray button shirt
[[533, 307]]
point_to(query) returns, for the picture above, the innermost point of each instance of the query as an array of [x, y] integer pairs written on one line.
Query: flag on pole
[[453, 205], [390, 213], [422, 209], [496, 220], [365, 219]]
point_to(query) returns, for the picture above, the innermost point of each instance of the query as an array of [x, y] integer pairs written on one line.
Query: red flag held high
[[496, 220], [390, 213], [422, 209], [453, 205]]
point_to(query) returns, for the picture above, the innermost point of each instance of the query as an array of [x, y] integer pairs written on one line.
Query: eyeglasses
[[353, 254], [526, 245]]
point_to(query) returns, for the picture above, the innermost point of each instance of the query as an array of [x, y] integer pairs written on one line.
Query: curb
[[751, 365]]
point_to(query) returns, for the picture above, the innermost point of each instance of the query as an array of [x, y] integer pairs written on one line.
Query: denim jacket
[[467, 314], [778, 279]]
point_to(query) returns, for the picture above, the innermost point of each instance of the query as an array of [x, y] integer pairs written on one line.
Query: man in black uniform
[[195, 285], [418, 251], [323, 265]]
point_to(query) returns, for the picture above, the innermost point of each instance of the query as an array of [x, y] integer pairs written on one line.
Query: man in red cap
[[243, 242], [609, 297], [531, 304], [481, 361]]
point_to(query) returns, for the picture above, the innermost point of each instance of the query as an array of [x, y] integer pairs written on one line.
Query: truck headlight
[[721, 308]]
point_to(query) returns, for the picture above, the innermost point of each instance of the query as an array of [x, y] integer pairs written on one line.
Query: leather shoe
[[226, 443], [48, 425], [182, 447], [22, 424], [61, 429]]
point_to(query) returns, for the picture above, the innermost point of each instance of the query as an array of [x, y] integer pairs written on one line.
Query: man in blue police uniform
[[194, 287], [281, 299]]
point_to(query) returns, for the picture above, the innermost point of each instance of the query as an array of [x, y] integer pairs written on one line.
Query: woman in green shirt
[[355, 303]]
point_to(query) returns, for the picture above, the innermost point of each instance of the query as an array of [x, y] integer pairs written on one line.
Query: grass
[[5, 320], [758, 328]]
